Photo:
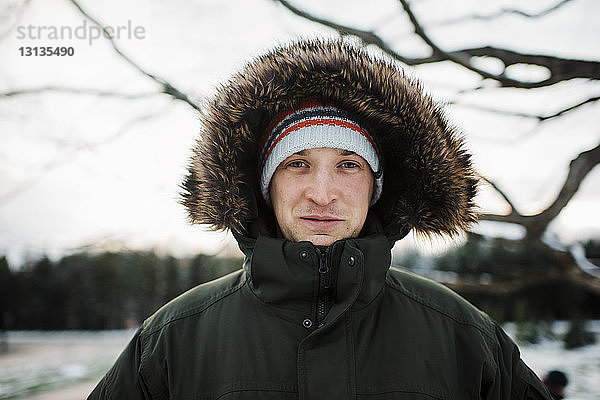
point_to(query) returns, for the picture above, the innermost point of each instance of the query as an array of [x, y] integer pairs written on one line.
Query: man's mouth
[[317, 218], [320, 223]]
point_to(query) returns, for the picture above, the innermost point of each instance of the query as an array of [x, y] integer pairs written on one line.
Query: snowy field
[[49, 362], [581, 365], [66, 365]]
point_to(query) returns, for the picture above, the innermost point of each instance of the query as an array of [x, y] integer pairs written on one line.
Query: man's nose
[[322, 188]]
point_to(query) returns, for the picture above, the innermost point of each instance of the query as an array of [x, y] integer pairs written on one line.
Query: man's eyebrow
[[342, 153]]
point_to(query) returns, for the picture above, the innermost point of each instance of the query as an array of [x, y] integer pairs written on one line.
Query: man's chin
[[321, 239], [318, 238]]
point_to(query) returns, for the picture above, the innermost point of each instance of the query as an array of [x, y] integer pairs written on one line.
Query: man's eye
[[297, 164], [349, 164]]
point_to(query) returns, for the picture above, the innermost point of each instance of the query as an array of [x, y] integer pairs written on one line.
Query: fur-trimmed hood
[[429, 182]]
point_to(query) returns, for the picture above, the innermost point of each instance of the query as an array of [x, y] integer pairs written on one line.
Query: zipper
[[324, 297]]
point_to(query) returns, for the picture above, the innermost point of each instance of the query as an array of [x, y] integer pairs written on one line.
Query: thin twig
[[65, 158], [568, 109], [168, 88], [72, 90], [578, 170], [560, 69], [513, 209], [501, 13], [454, 57], [367, 37], [536, 224], [540, 118]]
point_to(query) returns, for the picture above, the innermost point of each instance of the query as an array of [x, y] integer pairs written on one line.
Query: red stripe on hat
[[320, 121], [285, 114]]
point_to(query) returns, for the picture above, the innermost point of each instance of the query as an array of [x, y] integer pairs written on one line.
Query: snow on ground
[[48, 361], [581, 365], [66, 365]]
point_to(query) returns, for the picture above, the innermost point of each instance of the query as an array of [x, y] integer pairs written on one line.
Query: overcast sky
[[102, 172]]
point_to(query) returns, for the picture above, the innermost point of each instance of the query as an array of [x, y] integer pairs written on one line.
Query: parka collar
[[285, 274]]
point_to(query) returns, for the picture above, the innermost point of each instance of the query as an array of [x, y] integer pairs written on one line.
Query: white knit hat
[[312, 125]]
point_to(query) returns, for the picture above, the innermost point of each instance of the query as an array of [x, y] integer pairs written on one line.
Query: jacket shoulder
[[194, 301], [439, 299]]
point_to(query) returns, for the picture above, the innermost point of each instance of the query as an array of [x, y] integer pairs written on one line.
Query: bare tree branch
[[574, 277], [537, 224], [563, 270], [513, 209], [69, 156], [560, 68], [456, 57], [508, 218], [540, 118], [568, 109], [578, 170], [503, 12], [367, 37], [166, 86], [82, 91]]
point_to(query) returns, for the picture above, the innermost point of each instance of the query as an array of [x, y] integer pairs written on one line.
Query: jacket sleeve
[[123, 380], [513, 378]]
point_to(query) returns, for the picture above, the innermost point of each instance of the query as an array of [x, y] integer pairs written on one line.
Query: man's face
[[321, 195]]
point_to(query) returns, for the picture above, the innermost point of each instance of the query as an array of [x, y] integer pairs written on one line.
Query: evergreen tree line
[[533, 308], [517, 261], [114, 290], [98, 291], [487, 262]]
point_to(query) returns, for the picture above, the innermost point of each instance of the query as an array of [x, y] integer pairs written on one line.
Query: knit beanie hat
[[311, 125]]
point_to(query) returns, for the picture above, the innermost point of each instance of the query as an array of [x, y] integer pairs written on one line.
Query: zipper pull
[[323, 265]]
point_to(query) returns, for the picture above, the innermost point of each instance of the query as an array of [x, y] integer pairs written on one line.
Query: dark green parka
[[306, 322]]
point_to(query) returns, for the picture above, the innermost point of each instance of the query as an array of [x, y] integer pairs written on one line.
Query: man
[[319, 157]]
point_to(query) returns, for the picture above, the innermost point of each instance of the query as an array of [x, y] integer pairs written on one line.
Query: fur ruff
[[429, 183]]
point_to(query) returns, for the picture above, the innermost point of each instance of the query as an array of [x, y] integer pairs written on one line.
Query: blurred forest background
[[521, 79], [91, 291]]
